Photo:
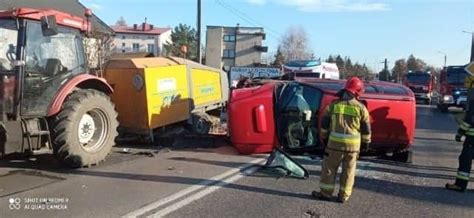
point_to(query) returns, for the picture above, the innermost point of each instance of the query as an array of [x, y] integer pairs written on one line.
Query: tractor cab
[[38, 53]]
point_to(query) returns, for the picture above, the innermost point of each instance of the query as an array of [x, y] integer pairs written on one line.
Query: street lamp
[[445, 57], [472, 44]]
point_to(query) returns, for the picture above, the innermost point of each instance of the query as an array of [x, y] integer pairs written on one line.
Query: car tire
[[85, 129], [405, 156]]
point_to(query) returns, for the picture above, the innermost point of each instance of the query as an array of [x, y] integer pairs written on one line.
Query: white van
[[312, 68]]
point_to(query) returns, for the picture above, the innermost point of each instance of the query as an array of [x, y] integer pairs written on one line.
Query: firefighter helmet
[[355, 86]]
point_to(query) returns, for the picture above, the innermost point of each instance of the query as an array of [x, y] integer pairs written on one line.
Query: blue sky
[[366, 30]]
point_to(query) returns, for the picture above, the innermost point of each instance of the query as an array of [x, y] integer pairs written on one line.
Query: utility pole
[[445, 57], [384, 75], [199, 55], [472, 44]]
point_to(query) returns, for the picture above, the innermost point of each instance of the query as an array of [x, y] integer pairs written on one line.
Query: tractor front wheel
[[84, 130]]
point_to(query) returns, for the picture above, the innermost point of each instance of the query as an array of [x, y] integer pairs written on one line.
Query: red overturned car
[[286, 114]]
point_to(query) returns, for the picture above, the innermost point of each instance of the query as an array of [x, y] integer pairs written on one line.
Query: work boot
[[342, 200], [320, 196], [454, 187]]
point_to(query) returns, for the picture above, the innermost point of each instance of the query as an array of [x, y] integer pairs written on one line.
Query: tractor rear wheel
[[85, 129]]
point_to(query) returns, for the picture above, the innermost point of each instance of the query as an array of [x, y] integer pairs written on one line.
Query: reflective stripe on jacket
[[465, 128], [345, 125]]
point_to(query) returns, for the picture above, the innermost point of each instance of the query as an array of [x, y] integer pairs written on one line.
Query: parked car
[[287, 114]]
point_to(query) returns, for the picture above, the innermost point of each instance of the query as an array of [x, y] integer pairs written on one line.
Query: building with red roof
[[141, 38]]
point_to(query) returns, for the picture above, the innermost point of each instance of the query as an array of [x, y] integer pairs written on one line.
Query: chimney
[[135, 26], [143, 26], [151, 26]]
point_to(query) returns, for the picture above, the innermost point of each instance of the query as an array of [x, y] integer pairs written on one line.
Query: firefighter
[[345, 129], [466, 128]]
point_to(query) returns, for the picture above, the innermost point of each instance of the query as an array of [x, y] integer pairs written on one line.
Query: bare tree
[[415, 64], [294, 44], [399, 69], [121, 22], [98, 48]]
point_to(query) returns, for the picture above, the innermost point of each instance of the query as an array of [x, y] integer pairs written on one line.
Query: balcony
[[261, 48]]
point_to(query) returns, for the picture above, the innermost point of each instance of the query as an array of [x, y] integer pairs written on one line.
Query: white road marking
[[203, 193], [193, 188]]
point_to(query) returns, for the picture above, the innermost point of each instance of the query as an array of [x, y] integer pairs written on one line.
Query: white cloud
[[256, 2], [336, 5]]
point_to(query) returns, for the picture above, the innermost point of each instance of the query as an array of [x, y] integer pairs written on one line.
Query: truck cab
[[422, 85], [452, 92]]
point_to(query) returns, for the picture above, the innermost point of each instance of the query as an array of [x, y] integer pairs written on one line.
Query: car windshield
[[419, 79], [8, 39], [456, 75]]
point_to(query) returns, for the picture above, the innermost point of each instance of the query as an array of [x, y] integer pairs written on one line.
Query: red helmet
[[355, 86]]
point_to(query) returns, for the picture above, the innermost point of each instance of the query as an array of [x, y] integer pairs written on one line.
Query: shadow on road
[[415, 192], [422, 193], [412, 166], [437, 139]]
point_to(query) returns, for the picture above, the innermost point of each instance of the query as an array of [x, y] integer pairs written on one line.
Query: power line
[[250, 18], [247, 19]]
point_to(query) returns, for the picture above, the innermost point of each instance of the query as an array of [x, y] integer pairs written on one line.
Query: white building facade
[[141, 38]]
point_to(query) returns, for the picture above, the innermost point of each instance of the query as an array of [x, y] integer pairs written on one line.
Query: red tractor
[[48, 99]]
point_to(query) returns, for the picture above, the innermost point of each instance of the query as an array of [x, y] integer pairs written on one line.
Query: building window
[[151, 48], [229, 53], [123, 36], [229, 38], [151, 37], [123, 44], [136, 47]]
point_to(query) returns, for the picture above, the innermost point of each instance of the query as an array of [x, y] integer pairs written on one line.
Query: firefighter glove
[[458, 137]]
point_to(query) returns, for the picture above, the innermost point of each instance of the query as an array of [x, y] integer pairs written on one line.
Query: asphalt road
[[213, 181]]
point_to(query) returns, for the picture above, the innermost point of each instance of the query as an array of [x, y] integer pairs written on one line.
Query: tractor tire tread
[[63, 123]]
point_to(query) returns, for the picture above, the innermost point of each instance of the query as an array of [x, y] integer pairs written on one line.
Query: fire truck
[[452, 92], [421, 83]]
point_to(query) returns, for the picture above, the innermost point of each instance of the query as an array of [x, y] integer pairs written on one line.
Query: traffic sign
[[470, 68], [469, 80]]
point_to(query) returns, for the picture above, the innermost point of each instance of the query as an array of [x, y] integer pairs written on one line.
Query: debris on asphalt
[[84, 186], [145, 153], [171, 168], [126, 150], [312, 214]]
